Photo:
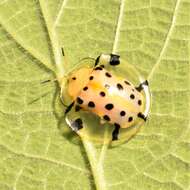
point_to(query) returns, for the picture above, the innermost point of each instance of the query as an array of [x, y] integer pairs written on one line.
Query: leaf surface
[[153, 35]]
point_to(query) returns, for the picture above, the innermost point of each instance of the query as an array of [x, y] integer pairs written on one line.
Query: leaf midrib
[[46, 62]]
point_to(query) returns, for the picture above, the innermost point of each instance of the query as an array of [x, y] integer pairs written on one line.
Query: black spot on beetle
[[132, 96], [108, 74], [126, 82], [122, 113], [109, 106], [85, 88], [91, 77], [106, 117], [130, 119], [91, 104], [98, 68], [79, 100], [74, 78], [102, 94], [139, 102], [119, 86]]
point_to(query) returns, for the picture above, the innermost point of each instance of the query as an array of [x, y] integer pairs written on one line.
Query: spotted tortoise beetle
[[114, 99]]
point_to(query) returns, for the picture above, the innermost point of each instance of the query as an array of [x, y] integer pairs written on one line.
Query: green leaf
[[152, 35]]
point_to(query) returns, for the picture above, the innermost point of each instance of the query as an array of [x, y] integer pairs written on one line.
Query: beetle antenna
[[42, 96], [49, 80], [62, 51]]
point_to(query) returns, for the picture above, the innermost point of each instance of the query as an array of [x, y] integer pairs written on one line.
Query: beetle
[[112, 98]]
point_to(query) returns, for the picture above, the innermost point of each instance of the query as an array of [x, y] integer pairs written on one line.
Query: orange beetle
[[113, 98]]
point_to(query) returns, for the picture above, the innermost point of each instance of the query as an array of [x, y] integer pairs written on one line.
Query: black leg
[[97, 61], [115, 132], [45, 81], [141, 86], [77, 124], [114, 60], [69, 108], [49, 80], [77, 108], [142, 116]]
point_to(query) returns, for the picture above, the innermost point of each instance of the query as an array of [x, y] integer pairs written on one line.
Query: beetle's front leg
[[68, 109], [77, 124]]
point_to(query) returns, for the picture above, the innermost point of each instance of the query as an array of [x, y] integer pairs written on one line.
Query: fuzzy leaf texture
[[154, 35]]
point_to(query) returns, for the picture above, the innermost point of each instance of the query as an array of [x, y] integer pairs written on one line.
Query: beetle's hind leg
[[142, 116], [115, 132], [142, 85], [140, 88]]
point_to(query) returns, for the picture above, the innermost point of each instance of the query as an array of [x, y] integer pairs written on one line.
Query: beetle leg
[[77, 124], [104, 59], [77, 108], [142, 116], [68, 109], [97, 61], [115, 132], [114, 59], [141, 86]]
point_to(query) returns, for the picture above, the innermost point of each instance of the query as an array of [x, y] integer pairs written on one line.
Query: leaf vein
[[118, 27], [32, 52], [55, 162], [165, 45], [56, 50], [60, 12]]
